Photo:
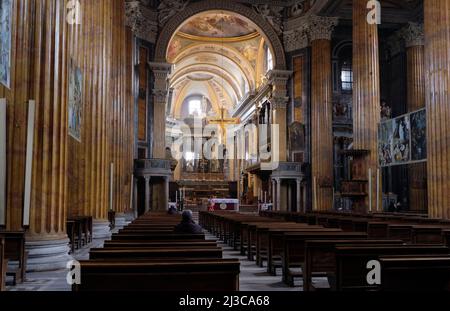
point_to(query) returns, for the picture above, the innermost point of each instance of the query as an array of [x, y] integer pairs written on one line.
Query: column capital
[[160, 69], [161, 72], [295, 39], [147, 178], [321, 27], [142, 20], [413, 34]]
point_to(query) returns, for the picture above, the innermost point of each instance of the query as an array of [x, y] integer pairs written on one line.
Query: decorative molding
[[321, 27], [272, 14], [295, 40], [169, 8], [142, 20], [161, 72], [300, 8], [308, 28], [413, 34]]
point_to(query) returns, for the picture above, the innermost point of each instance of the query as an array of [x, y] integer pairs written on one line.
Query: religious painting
[[5, 41], [385, 142], [297, 136], [75, 101], [418, 135], [401, 138], [217, 25]]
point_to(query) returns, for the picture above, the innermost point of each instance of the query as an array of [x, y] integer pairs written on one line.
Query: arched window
[[195, 107], [346, 76]]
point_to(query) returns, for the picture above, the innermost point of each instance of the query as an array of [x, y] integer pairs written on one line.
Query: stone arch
[[178, 19]]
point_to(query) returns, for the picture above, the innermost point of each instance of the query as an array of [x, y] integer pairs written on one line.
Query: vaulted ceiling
[[218, 55]]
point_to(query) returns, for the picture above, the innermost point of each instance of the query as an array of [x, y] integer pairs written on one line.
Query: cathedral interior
[[111, 111]]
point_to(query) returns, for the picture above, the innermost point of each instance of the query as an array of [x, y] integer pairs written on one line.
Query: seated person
[[188, 225], [172, 210]]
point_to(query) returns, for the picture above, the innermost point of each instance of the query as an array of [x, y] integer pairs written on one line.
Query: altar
[[224, 204]]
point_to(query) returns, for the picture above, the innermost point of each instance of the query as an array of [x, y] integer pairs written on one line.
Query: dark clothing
[[189, 227]]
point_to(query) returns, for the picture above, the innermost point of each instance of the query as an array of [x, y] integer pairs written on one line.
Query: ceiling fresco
[[217, 25]]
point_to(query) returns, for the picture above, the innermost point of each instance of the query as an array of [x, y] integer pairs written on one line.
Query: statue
[[386, 111]]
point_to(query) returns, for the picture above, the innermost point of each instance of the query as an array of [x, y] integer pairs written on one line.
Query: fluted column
[[298, 195], [437, 93], [278, 79], [278, 182], [147, 193], [366, 92], [47, 241], [417, 173], [320, 30], [160, 91]]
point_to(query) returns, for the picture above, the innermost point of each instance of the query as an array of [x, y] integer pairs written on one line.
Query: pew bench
[[14, 251], [351, 261], [3, 264], [294, 247], [320, 257], [200, 275], [144, 253], [415, 273]]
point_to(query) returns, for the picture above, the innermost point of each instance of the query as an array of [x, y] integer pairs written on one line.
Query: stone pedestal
[[101, 229], [46, 255]]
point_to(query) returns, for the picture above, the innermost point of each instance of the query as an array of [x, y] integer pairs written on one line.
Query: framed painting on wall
[[418, 135], [5, 41], [75, 106]]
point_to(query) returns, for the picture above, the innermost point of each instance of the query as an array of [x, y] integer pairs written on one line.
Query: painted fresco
[[418, 135], [217, 25], [75, 101], [5, 41]]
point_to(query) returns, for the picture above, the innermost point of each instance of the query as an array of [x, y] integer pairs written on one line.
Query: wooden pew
[[156, 237], [262, 237], [294, 246], [276, 244], [15, 251], [415, 273], [320, 257], [161, 253], [187, 243], [446, 237], [199, 275], [3, 264], [351, 261]]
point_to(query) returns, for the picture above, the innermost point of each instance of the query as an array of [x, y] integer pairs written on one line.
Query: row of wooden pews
[[79, 230], [12, 250], [339, 247], [148, 256]]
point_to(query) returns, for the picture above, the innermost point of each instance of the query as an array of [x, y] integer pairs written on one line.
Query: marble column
[[278, 183], [366, 93], [273, 194], [437, 94], [320, 29], [298, 194], [417, 173], [166, 191], [160, 91], [147, 193], [135, 197], [278, 100]]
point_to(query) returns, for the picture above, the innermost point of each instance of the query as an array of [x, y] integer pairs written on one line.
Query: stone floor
[[252, 277]]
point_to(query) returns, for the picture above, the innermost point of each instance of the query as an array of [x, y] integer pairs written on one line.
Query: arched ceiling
[[218, 55]]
